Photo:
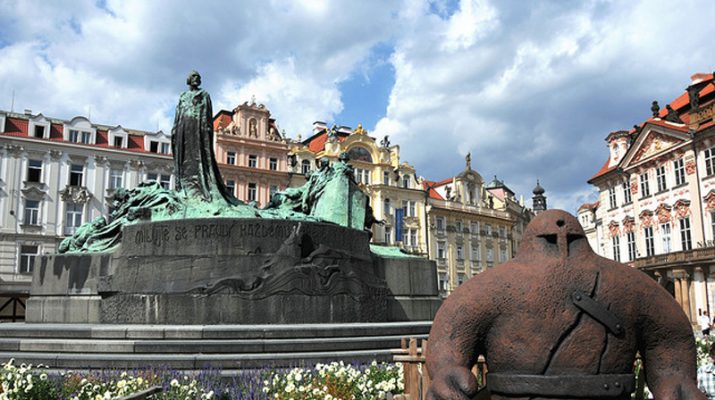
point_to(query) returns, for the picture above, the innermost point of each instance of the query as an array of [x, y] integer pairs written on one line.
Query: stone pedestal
[[233, 271]]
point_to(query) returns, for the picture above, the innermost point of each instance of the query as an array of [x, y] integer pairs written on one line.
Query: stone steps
[[192, 347]]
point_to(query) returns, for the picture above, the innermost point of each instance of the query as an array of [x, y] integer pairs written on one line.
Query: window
[[441, 250], [165, 181], [665, 230], [231, 157], [460, 279], [252, 161], [273, 164], [73, 218], [443, 281], [626, 193], [252, 192], [362, 176], [502, 255], [612, 197], [413, 237], [388, 235], [165, 148], [502, 232], [490, 255], [152, 177], [649, 244], [86, 137], [74, 136], [460, 253], [440, 223], [458, 227], [679, 168], [118, 141], [412, 212], [660, 178], [32, 212], [76, 174], [27, 258], [273, 189], [406, 181], [686, 240], [34, 171], [645, 189], [615, 243], [386, 206], [710, 161], [231, 186], [631, 239], [712, 223], [488, 229], [39, 131], [475, 229], [153, 146], [386, 177], [476, 254], [116, 178], [305, 167]]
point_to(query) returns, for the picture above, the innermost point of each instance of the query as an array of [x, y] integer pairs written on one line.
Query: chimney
[[699, 77], [28, 111]]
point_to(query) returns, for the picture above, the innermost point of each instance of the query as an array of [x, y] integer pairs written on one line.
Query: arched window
[[360, 154], [305, 166]]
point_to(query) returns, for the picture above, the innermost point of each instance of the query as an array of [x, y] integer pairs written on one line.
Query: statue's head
[[554, 234], [344, 157], [194, 79]]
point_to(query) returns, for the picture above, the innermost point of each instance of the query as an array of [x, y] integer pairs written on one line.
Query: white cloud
[[532, 89]]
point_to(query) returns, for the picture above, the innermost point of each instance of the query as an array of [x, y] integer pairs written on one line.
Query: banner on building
[[399, 216]]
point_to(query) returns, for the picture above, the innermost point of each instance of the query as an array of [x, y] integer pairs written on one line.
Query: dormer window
[[165, 148], [38, 127], [2, 123], [154, 146], [83, 137], [80, 130], [118, 141], [118, 137]]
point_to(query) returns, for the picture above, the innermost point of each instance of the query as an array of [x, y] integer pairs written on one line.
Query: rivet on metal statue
[[560, 322], [197, 173]]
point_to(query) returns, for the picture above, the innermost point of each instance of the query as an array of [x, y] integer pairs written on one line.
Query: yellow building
[[472, 226], [389, 183]]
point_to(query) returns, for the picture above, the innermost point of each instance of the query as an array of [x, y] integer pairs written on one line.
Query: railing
[[680, 257], [417, 380]]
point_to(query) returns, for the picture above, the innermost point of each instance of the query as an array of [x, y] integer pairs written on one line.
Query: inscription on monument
[[159, 235]]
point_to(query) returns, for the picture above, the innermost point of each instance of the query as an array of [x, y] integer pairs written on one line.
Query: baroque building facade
[[391, 184], [656, 205], [251, 153], [57, 174], [473, 226]]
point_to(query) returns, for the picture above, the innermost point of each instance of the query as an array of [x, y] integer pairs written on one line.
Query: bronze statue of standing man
[[197, 174]]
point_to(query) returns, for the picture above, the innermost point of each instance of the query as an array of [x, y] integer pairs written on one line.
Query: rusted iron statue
[[560, 322]]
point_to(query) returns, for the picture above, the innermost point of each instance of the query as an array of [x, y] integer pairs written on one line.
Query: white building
[[56, 175]]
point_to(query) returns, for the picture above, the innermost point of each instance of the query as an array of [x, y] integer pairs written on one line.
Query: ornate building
[[473, 226], [57, 174], [656, 206], [392, 185], [251, 153]]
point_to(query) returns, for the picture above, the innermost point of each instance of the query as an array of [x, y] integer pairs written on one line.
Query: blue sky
[[531, 89]]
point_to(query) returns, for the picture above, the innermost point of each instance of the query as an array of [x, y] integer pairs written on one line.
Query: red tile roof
[[681, 104], [316, 143], [430, 186], [589, 206], [222, 119]]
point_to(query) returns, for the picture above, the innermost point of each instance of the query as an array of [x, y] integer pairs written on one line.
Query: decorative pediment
[[682, 208], [628, 224], [652, 142], [34, 191], [710, 200], [663, 213], [75, 194], [614, 229], [646, 217]]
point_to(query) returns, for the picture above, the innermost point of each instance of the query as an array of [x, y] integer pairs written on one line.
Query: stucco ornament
[[560, 322]]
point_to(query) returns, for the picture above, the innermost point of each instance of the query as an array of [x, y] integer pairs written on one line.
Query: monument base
[[233, 271]]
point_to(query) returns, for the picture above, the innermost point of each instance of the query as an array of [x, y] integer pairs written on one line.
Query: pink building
[[251, 153]]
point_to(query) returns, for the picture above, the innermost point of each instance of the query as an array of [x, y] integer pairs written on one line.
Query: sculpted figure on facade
[[560, 322]]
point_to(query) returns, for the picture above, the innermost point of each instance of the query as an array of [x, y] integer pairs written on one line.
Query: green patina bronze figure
[[329, 195], [197, 174]]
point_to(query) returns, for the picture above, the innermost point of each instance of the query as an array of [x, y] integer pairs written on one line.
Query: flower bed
[[324, 381]]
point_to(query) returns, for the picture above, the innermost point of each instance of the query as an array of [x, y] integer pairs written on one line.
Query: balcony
[[676, 259]]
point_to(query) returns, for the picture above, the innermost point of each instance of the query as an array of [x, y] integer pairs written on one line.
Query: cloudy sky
[[531, 89]]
